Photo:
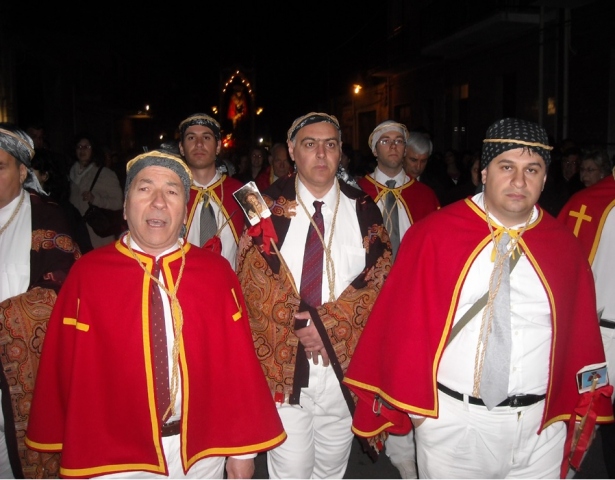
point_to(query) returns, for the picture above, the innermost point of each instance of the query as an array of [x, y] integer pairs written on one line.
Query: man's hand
[[236, 468], [311, 341]]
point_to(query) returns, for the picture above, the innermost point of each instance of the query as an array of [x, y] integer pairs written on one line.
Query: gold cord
[[15, 212], [177, 315], [487, 317], [330, 266], [520, 142], [381, 194], [210, 191]]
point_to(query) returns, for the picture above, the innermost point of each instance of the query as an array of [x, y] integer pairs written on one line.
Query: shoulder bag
[[103, 221]]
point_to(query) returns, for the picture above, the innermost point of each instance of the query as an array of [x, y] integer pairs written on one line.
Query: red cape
[[586, 212], [418, 199], [402, 344], [223, 195], [94, 398]]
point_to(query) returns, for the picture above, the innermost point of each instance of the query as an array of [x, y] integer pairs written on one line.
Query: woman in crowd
[[595, 165], [106, 193]]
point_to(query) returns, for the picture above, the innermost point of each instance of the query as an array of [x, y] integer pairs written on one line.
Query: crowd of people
[[449, 310]]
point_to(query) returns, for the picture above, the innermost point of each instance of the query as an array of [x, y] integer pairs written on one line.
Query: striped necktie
[[311, 274], [311, 293]]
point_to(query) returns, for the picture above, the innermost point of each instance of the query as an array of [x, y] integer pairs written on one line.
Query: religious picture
[[238, 107], [587, 375], [252, 202]]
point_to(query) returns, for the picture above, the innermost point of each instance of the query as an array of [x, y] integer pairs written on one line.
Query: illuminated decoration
[[259, 110], [356, 88], [241, 88], [243, 80], [228, 141]]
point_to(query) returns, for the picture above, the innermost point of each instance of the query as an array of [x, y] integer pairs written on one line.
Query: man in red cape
[[408, 365], [590, 214], [200, 144], [413, 201], [97, 396]]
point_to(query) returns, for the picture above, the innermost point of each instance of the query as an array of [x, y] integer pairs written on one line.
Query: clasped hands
[[311, 341]]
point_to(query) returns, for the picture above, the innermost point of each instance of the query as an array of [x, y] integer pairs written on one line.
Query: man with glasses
[[308, 297], [403, 200]]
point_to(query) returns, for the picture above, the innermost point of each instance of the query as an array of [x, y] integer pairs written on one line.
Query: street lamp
[[356, 89]]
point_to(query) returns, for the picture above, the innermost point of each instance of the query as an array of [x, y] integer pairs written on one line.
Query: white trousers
[[210, 467], [468, 441], [319, 435], [401, 450], [608, 341]]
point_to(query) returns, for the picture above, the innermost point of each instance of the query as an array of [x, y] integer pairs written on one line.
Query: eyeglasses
[[387, 141], [588, 170], [84, 147]]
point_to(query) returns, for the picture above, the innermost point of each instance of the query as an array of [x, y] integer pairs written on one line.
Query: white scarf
[[76, 174]]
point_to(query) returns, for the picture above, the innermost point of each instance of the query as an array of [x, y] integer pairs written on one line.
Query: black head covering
[[510, 133], [310, 118], [200, 119]]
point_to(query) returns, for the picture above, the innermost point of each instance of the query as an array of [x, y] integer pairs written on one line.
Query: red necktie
[[159, 344], [311, 293], [311, 275]]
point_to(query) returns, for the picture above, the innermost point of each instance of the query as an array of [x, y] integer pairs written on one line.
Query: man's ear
[[291, 150], [483, 175], [23, 173]]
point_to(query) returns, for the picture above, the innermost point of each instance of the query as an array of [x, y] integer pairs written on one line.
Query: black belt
[[514, 401], [170, 429], [607, 324]]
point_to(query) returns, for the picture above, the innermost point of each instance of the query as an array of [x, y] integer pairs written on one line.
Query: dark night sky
[[299, 52]]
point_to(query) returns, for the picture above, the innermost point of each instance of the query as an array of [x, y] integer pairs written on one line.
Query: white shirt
[[603, 267], [15, 246], [229, 246], [400, 179], [530, 323], [347, 249]]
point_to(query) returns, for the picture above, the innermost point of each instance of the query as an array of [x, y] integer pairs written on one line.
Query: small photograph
[[587, 375], [252, 202]]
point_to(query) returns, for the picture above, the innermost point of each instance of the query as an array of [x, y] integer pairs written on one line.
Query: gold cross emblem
[[580, 217]]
